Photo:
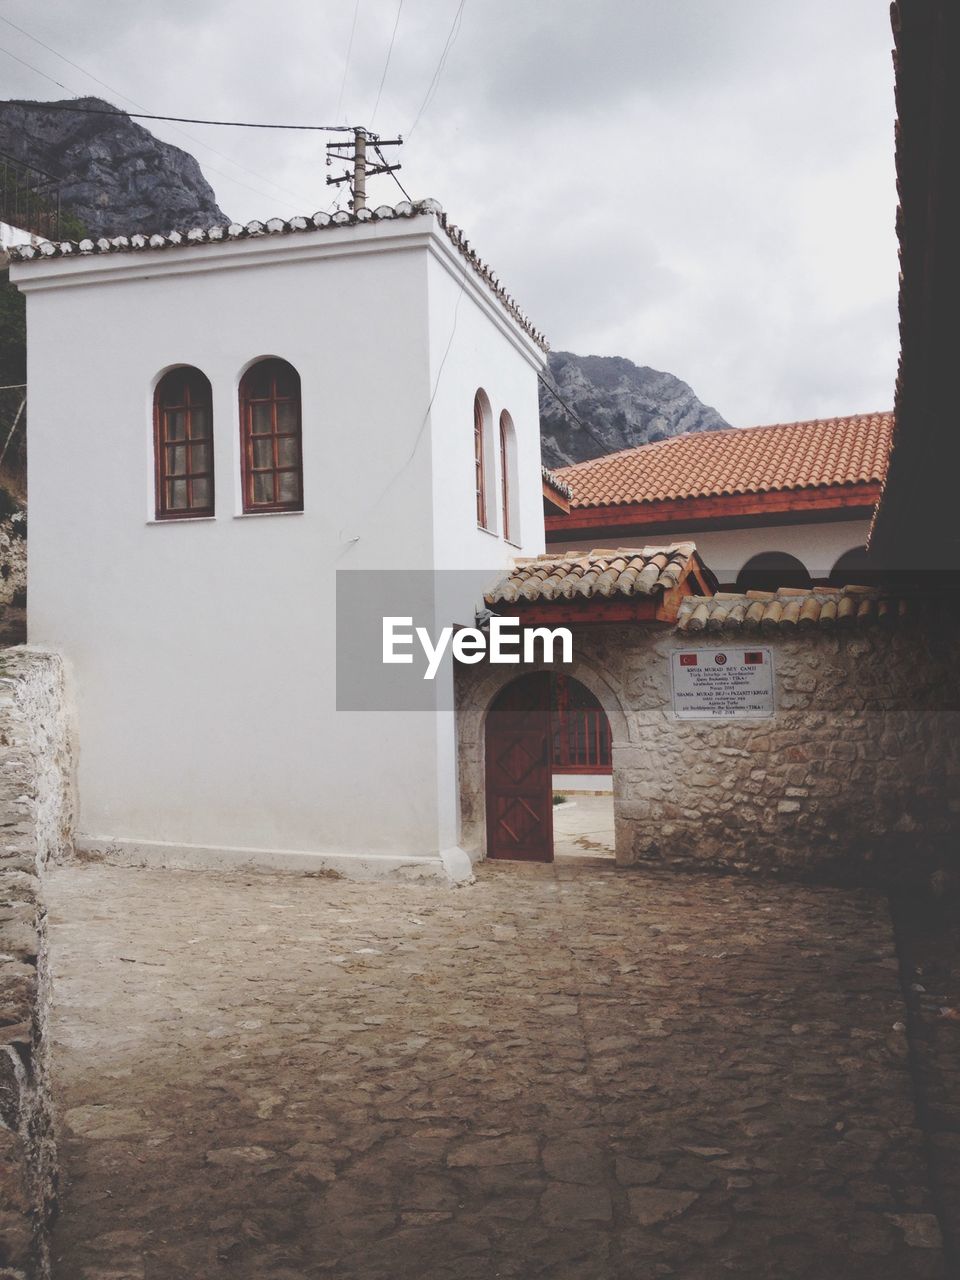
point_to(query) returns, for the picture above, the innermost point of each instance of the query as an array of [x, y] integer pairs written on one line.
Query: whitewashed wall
[[817, 546], [204, 649]]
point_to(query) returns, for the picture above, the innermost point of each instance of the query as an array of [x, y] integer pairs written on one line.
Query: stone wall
[[36, 805], [856, 777], [13, 559]]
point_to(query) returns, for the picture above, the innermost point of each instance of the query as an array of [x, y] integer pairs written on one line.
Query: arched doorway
[[540, 726]]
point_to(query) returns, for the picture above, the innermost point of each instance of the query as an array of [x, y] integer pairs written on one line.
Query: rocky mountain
[[116, 177], [622, 403]]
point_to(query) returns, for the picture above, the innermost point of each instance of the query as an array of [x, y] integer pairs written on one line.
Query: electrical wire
[[51, 106], [29, 65], [386, 65], [575, 416], [193, 138], [142, 115], [383, 160], [346, 65], [432, 88]]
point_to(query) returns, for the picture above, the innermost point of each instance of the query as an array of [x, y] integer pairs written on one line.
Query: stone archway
[[477, 692]]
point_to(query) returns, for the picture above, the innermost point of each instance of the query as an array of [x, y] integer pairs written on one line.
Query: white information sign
[[722, 684]]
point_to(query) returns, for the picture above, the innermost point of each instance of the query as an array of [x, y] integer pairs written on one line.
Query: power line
[[51, 106], [575, 416], [23, 62], [389, 168], [193, 138], [431, 90], [346, 64], [386, 65], [143, 115]]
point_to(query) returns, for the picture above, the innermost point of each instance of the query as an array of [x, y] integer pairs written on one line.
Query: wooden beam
[[555, 499], [831, 502]]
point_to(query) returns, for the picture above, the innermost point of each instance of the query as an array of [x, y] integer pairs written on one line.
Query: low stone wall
[[856, 776], [13, 559], [36, 806]]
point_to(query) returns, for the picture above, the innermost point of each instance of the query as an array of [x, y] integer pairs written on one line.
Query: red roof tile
[[792, 455]]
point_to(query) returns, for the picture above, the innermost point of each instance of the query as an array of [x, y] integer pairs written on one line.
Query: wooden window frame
[[275, 435], [583, 727], [163, 445], [480, 460]]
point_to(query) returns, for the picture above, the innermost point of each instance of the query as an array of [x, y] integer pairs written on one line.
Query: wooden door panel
[[518, 772]]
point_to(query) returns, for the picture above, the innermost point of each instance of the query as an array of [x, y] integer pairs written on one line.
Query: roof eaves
[[219, 234]]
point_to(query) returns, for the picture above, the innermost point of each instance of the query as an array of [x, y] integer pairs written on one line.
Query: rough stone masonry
[[856, 776], [35, 813]]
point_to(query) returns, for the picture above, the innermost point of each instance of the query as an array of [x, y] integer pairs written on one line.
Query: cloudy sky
[[704, 186]]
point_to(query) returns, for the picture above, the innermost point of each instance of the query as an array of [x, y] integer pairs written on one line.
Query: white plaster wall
[[726, 551], [204, 649], [474, 345]]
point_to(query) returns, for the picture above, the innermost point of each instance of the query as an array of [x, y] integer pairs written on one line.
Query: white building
[[219, 422]]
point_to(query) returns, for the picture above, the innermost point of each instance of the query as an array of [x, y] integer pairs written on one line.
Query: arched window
[[509, 491], [481, 418], [270, 434], [183, 444], [770, 570]]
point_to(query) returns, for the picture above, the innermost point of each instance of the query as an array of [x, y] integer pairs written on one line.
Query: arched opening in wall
[[549, 771], [484, 470], [509, 488], [854, 569], [772, 569]]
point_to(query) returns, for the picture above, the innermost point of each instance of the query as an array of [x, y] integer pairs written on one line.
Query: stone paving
[[562, 1071], [583, 824]]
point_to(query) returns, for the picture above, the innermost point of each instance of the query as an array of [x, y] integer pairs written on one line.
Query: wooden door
[[518, 772]]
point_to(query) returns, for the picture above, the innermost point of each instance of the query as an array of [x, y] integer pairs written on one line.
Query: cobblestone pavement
[[565, 1072], [928, 931]]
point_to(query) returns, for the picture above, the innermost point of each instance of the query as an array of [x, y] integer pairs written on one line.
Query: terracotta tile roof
[[553, 480], [281, 226], [628, 571], [791, 455], [789, 609]]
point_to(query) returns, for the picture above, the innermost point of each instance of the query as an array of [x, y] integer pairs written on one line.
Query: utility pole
[[361, 169]]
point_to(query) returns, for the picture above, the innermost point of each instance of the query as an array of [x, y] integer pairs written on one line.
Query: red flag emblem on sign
[[688, 659], [753, 659]]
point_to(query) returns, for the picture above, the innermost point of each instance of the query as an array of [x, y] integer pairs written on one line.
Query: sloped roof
[[789, 609], [553, 481], [138, 243], [628, 571], [792, 455]]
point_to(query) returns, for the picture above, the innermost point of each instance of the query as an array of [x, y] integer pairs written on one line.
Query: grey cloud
[[702, 186]]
